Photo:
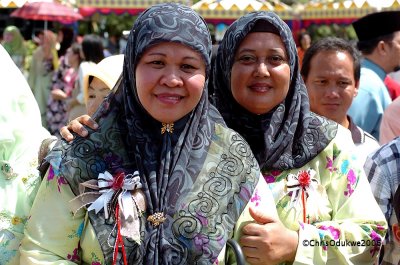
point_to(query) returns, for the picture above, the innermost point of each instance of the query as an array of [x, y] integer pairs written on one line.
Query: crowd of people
[[178, 149]]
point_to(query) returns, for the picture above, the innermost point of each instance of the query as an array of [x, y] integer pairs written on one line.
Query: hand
[[76, 126], [268, 241], [58, 94]]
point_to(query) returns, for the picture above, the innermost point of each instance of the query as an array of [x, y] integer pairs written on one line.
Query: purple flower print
[[351, 180], [199, 241], [74, 256], [380, 227], [377, 243], [271, 177], [256, 198], [334, 231], [60, 181], [203, 219], [96, 263], [50, 176], [329, 164], [351, 177]]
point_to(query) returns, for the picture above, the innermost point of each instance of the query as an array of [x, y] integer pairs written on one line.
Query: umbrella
[[47, 11]]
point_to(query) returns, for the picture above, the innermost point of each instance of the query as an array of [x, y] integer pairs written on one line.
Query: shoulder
[[225, 136], [383, 164], [394, 106], [341, 148], [389, 152], [343, 138], [370, 81], [228, 142]]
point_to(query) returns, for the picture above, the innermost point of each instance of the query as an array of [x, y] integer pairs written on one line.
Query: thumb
[[261, 216]]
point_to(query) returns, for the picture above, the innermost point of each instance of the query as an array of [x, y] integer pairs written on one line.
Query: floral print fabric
[[340, 213]]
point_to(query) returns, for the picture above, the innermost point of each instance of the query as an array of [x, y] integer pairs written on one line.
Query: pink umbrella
[[47, 11]]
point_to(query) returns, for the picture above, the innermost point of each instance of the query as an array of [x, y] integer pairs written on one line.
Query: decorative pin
[[156, 219], [7, 170], [167, 127]]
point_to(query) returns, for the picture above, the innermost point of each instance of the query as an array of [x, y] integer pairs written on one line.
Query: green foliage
[[111, 23], [115, 24], [333, 30]]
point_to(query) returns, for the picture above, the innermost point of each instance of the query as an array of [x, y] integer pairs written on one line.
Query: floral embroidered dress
[[140, 191], [71, 239], [21, 134], [63, 79], [340, 189]]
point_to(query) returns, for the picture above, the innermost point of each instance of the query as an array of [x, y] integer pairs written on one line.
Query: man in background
[[331, 71], [379, 41]]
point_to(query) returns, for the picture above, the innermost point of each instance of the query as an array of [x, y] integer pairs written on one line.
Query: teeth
[[260, 88]]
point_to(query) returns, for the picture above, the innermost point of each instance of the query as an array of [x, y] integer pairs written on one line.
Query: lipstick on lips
[[260, 87], [169, 98]]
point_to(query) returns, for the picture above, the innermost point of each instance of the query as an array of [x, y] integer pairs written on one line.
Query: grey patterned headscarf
[[199, 218], [289, 135]]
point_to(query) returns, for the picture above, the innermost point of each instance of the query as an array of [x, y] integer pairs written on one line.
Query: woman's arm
[[261, 201]]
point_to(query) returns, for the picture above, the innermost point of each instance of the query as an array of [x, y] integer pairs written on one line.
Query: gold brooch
[[156, 219], [167, 127]]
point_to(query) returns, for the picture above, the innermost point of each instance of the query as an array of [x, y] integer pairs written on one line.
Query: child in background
[[99, 80]]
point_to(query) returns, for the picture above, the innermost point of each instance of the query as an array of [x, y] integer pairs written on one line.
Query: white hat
[[107, 70]]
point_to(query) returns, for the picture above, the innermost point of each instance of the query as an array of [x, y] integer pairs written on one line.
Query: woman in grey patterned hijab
[[160, 140]]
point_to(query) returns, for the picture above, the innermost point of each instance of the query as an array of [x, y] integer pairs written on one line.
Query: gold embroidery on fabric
[[167, 127], [156, 219]]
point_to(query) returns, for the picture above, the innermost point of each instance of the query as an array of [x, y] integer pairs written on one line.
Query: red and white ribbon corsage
[[118, 194], [116, 190], [300, 187]]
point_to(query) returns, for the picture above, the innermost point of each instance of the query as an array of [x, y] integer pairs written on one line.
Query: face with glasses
[[260, 74]]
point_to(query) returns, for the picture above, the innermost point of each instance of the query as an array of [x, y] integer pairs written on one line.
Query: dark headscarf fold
[[288, 136], [199, 218]]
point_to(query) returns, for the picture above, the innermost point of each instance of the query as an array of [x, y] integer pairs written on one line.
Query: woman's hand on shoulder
[[76, 126], [268, 241]]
